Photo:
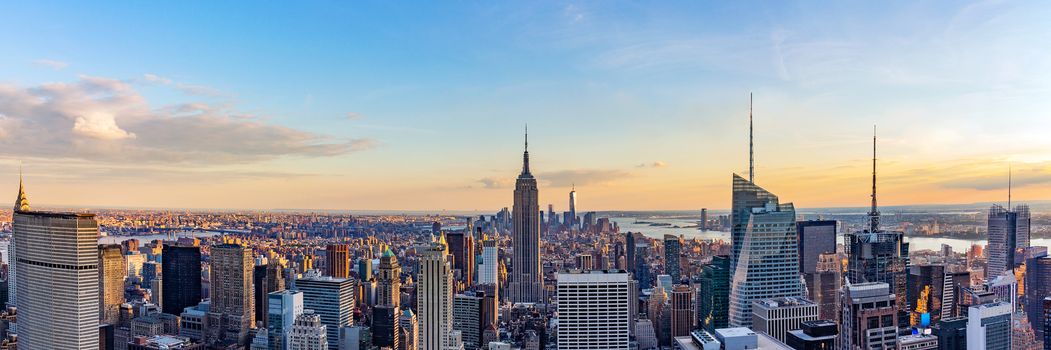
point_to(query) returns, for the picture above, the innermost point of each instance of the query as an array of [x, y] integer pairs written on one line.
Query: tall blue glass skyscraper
[[765, 259]]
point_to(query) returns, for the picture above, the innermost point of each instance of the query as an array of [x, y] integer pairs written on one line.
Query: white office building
[[57, 278], [593, 310], [989, 326], [776, 317], [307, 333], [282, 309]]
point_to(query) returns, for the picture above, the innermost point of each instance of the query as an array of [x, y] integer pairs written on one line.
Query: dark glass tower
[[182, 278], [816, 237], [527, 283], [713, 295], [672, 252]]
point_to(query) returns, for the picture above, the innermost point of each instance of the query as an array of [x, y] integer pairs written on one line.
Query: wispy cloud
[[107, 120], [354, 116], [565, 178], [189, 89], [656, 164], [53, 64], [496, 182]]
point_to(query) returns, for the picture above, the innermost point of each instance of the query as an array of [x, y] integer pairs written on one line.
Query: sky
[[422, 105]]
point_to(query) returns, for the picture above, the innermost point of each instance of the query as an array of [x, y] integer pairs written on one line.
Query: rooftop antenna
[[874, 214], [751, 158], [1008, 186]]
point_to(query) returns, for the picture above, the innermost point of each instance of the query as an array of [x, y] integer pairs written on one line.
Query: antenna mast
[[751, 158], [874, 214]]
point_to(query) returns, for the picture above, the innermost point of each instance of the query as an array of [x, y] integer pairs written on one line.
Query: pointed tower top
[[1008, 186], [525, 155], [22, 202], [874, 214], [751, 158]]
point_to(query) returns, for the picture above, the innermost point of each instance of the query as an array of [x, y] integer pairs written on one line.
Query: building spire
[[525, 155], [22, 202], [751, 159], [874, 214], [1008, 187]]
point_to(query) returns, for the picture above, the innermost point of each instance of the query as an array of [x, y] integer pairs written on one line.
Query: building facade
[[332, 300], [593, 310], [870, 317], [776, 317], [282, 309], [713, 294], [434, 300], [56, 275], [112, 273], [233, 300], [308, 333], [765, 255], [337, 260], [989, 326], [527, 280], [181, 268], [1008, 232]]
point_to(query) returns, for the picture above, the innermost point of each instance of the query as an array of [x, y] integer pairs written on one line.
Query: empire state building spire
[[22, 202], [525, 155]]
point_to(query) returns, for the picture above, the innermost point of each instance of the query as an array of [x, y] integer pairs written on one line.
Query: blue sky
[[420, 105]]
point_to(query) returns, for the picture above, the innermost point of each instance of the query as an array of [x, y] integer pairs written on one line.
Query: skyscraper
[[1037, 287], [388, 282], [989, 326], [332, 299], [593, 310], [309, 333], [682, 310], [112, 272], [467, 318], [672, 252], [56, 274], [386, 333], [527, 280], [629, 252], [869, 319], [181, 268], [337, 258], [1008, 233], [713, 295], [435, 298], [282, 309], [765, 256], [268, 278], [823, 286], [489, 272], [572, 208], [816, 237], [233, 300], [875, 255], [776, 317], [461, 247]]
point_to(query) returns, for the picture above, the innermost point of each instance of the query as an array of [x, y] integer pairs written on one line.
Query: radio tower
[[874, 214], [751, 159]]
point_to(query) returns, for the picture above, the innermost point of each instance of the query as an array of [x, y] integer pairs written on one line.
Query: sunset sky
[[421, 106]]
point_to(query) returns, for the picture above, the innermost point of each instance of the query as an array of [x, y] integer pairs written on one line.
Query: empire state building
[[527, 284]]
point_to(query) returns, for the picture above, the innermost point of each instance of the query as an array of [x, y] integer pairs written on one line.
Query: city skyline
[[642, 108]]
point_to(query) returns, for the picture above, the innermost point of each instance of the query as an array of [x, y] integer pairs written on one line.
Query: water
[[684, 228], [149, 238]]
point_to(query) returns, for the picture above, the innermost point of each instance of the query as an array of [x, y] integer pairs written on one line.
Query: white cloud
[[100, 126], [53, 64], [106, 120]]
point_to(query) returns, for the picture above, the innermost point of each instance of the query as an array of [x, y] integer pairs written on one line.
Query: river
[[683, 227]]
